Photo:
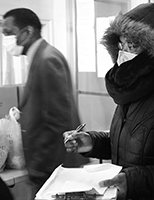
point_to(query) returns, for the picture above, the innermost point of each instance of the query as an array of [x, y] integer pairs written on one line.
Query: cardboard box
[[8, 99]]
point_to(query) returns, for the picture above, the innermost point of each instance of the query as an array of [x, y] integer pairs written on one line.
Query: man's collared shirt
[[31, 52]]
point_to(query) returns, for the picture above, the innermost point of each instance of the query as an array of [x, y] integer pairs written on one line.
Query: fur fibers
[[137, 32]]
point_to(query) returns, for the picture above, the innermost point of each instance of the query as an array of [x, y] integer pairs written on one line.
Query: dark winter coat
[[130, 142]]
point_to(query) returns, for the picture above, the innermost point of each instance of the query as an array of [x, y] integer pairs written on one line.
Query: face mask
[[10, 43], [124, 56]]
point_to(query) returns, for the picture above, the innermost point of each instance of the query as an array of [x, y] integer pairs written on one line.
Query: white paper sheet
[[65, 180]]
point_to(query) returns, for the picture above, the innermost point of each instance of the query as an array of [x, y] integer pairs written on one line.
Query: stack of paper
[[86, 179]]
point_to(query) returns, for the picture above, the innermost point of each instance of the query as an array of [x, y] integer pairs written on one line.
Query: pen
[[79, 128]]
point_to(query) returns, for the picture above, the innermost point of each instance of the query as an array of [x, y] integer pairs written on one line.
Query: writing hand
[[75, 141]]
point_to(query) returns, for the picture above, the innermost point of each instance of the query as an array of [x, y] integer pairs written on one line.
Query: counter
[[13, 176]]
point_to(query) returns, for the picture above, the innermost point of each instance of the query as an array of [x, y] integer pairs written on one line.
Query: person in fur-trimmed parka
[[130, 143]]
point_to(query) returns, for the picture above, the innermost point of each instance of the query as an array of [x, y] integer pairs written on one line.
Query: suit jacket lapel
[[28, 85]]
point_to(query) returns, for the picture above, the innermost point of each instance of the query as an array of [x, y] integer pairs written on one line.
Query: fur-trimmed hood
[[136, 25]]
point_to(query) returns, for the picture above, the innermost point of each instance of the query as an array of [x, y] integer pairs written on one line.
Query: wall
[[44, 8], [137, 2], [95, 105], [59, 24]]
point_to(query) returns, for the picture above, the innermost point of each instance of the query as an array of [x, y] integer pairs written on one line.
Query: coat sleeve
[[101, 145], [140, 181]]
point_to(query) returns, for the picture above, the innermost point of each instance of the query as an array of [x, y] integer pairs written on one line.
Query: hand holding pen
[[78, 129], [77, 140]]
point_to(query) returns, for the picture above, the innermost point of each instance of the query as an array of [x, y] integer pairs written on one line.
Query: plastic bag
[[12, 130], [4, 147]]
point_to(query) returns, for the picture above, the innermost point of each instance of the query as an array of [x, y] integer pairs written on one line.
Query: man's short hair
[[24, 17]]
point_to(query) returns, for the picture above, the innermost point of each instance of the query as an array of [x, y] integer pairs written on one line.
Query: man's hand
[[120, 182]]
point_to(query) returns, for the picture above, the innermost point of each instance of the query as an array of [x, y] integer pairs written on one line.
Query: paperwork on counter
[[69, 180]]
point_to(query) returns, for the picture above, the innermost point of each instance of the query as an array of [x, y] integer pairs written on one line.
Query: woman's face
[[124, 45]]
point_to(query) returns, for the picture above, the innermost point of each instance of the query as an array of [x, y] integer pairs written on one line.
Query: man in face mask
[[48, 104], [18, 38]]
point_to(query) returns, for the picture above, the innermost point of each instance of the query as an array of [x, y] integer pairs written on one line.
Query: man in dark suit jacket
[[48, 108]]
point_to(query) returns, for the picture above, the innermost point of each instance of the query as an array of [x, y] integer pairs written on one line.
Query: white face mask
[[124, 56], [10, 43]]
